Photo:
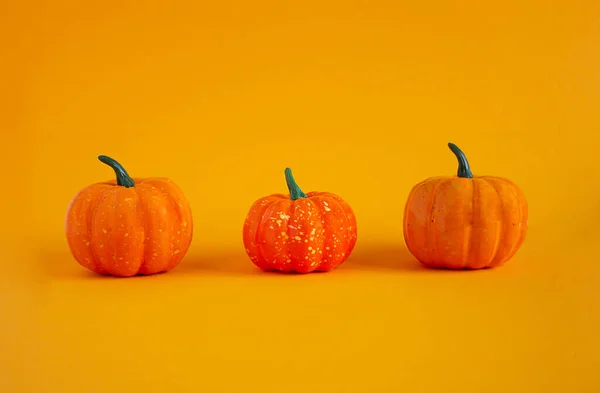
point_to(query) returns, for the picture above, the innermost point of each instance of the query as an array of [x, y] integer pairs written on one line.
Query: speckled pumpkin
[[299, 232], [465, 221], [127, 226]]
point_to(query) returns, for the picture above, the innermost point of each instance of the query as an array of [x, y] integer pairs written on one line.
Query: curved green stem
[[463, 165], [123, 179], [295, 191]]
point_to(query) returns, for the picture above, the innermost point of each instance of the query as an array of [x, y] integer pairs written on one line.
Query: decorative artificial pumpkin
[[465, 221], [129, 226], [299, 232]]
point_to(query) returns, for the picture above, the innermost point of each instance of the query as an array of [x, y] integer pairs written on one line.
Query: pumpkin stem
[[123, 179], [463, 165], [295, 191]]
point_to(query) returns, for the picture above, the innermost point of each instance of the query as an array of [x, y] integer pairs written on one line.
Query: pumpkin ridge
[[251, 223], [517, 200], [142, 214], [312, 195], [285, 249], [263, 219], [500, 228], [115, 197], [326, 233], [429, 225], [93, 211], [185, 209], [523, 216], [469, 230], [348, 249], [74, 235], [140, 209], [513, 190], [179, 220], [277, 206], [323, 233], [297, 212]]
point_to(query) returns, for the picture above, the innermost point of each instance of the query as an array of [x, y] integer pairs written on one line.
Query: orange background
[[360, 99]]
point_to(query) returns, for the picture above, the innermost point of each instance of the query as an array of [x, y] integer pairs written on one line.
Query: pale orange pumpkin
[[129, 226], [465, 221]]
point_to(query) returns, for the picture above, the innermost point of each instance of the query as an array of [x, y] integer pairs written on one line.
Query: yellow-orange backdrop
[[360, 99]]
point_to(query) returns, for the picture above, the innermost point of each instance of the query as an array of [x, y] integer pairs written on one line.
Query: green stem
[[463, 165], [123, 179], [295, 191]]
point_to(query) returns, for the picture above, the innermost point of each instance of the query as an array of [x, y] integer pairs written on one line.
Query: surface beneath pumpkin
[[380, 322]]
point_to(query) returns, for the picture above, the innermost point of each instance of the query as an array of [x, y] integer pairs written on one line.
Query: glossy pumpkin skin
[[129, 227], [465, 221], [299, 233]]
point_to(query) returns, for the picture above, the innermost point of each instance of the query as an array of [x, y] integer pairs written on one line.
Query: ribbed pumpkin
[[299, 232], [465, 221], [129, 226]]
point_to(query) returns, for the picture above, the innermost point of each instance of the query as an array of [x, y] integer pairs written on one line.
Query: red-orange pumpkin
[[129, 226], [299, 232], [465, 221]]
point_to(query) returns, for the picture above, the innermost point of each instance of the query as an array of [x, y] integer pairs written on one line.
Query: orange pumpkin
[[299, 232], [129, 226], [465, 221]]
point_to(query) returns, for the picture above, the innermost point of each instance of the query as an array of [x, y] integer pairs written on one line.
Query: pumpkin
[[465, 221], [298, 232], [127, 226]]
